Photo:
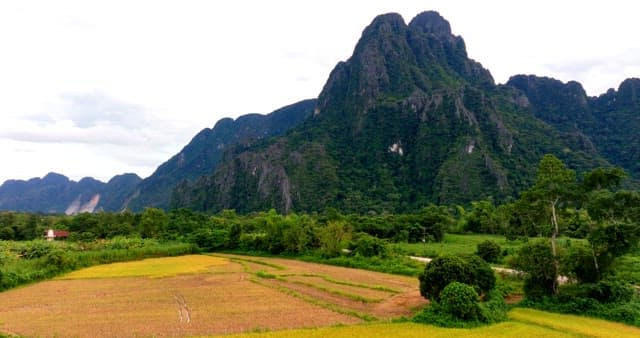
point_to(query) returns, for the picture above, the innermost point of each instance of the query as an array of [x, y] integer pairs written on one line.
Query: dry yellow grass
[[152, 267], [185, 305], [356, 276], [199, 295], [580, 325], [354, 291], [368, 294], [410, 330]]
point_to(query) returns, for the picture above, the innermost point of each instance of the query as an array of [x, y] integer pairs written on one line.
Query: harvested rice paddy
[[200, 295], [211, 295]]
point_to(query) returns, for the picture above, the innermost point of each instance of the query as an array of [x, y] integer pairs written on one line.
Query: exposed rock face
[[205, 151], [408, 119]]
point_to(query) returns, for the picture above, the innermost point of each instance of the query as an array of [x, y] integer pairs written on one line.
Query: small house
[[51, 234]]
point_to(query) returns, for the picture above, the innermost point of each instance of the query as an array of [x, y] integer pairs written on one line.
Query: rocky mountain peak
[[55, 178], [431, 22], [629, 91]]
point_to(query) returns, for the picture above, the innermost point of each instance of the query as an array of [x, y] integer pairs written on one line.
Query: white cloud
[[104, 87]]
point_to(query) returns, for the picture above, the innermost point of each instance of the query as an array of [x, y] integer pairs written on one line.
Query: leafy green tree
[[235, 231], [489, 250], [460, 301], [445, 269], [209, 239], [482, 218], [610, 242], [555, 185], [333, 238], [369, 246], [434, 220], [538, 261], [603, 178], [153, 222]]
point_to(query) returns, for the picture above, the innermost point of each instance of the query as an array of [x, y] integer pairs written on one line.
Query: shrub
[[369, 246], [461, 301], [210, 239], [489, 250], [604, 291], [441, 271], [578, 263], [536, 259], [494, 310], [57, 261]]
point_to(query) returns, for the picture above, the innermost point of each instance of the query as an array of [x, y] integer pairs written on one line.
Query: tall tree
[[554, 186]]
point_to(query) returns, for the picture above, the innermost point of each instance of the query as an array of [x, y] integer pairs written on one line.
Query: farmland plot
[[203, 295]]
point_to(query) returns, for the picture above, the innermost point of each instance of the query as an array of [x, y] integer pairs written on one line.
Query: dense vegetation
[[609, 122]]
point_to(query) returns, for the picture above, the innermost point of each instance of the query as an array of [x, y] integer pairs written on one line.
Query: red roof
[[60, 233]]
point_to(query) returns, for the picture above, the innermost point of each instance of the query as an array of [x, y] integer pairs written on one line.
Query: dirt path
[[507, 271]]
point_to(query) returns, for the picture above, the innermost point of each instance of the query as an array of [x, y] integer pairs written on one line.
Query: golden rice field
[[151, 267], [199, 295], [411, 330], [524, 323], [589, 327]]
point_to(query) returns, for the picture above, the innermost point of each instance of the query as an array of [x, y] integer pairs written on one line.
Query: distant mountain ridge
[[55, 193]]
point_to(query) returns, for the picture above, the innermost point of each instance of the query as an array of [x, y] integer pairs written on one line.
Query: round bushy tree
[[441, 271], [489, 251], [538, 261], [461, 301]]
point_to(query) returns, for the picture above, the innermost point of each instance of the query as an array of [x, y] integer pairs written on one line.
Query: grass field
[[464, 244]]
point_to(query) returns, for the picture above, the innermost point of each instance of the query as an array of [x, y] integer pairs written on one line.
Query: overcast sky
[[99, 88]]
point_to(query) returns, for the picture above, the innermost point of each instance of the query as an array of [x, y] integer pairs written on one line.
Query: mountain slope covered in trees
[[609, 123], [409, 119]]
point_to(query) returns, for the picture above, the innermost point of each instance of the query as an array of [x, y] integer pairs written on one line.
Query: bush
[[494, 310], [489, 250], [58, 261], [536, 259], [461, 301], [605, 291], [369, 246], [441, 271], [578, 263]]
